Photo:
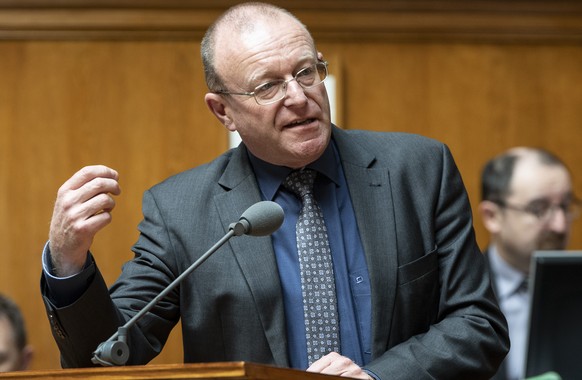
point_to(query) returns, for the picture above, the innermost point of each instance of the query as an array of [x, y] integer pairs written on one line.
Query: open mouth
[[300, 122]]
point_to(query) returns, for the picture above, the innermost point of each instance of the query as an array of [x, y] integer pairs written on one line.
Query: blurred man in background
[[15, 353], [528, 204]]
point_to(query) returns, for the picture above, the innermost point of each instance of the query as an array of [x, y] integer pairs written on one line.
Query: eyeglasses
[[273, 91], [544, 210]]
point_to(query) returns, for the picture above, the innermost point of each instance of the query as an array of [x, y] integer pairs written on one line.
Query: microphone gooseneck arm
[[115, 351], [262, 218]]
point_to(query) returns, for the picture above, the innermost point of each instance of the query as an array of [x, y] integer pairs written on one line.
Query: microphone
[[261, 219]]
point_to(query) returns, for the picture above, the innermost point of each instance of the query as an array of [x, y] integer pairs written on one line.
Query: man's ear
[[219, 108], [490, 215]]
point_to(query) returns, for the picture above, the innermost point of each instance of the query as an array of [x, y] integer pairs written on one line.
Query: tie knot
[[300, 182]]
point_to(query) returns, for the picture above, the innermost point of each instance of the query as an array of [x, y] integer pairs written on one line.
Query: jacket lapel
[[254, 255], [371, 196], [370, 192]]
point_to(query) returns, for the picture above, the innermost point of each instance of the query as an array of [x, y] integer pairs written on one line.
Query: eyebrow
[[269, 75]]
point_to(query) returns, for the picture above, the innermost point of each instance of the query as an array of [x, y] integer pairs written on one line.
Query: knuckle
[[77, 228], [103, 200], [62, 192], [97, 184]]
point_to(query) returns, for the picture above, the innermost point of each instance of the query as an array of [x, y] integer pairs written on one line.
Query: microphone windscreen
[[263, 218]]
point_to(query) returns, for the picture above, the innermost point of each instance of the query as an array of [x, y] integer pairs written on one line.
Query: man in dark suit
[[528, 204], [411, 291]]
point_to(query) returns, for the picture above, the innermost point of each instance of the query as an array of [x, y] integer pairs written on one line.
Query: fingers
[[89, 173], [335, 364], [86, 216], [89, 199], [85, 186]]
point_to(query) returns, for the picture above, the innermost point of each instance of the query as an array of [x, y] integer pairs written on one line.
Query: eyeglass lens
[[308, 77]]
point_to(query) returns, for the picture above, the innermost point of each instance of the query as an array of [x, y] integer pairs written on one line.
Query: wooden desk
[[228, 370]]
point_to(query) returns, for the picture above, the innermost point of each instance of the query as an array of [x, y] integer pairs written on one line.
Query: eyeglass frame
[[570, 210], [280, 82]]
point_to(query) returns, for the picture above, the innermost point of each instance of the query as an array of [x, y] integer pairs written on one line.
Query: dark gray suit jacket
[[433, 311]]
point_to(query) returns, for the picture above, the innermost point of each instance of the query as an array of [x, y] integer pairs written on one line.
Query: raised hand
[[82, 208]]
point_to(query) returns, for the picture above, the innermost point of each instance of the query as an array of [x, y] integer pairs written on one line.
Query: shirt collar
[[507, 278], [270, 177]]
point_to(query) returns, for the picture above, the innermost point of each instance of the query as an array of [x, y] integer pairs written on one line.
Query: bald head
[[236, 23]]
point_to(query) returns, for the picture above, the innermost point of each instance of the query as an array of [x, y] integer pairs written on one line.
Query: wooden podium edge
[[218, 370]]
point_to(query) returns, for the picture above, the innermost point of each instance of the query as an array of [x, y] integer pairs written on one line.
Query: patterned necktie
[[316, 268]]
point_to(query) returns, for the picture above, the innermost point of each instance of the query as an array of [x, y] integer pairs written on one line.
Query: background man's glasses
[[273, 91], [544, 211]]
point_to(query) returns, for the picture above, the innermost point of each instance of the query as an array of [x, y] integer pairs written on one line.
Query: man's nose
[[295, 93], [559, 220]]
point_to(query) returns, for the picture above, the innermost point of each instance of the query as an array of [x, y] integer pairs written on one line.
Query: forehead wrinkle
[[253, 51]]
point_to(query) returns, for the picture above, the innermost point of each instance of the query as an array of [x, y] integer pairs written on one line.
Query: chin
[[304, 156], [313, 148], [552, 245]]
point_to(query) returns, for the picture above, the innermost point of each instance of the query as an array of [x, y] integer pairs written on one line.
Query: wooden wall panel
[[134, 106], [480, 99], [120, 83]]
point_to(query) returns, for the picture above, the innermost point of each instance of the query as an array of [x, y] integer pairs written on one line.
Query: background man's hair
[[498, 172], [10, 311]]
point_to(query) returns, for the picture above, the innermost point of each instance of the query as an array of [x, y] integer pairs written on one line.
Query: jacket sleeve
[[81, 326]]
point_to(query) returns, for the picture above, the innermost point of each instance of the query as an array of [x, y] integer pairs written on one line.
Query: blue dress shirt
[[350, 268]]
